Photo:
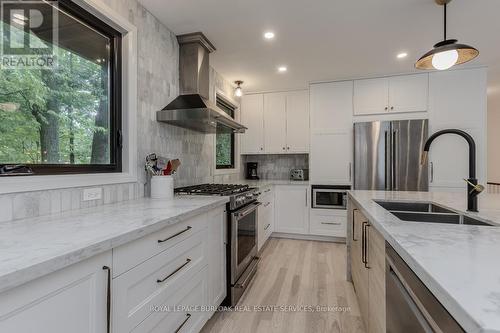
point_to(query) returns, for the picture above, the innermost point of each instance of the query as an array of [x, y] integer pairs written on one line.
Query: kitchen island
[[457, 263]]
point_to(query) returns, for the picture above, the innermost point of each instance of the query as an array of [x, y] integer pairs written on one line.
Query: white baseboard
[[309, 237]]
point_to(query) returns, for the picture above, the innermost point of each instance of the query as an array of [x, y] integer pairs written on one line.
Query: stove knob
[[257, 194], [240, 200], [249, 195]]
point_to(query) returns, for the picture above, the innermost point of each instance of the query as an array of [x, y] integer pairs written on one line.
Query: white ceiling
[[328, 39]]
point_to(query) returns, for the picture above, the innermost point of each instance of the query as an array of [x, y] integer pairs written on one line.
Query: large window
[[224, 147], [66, 117]]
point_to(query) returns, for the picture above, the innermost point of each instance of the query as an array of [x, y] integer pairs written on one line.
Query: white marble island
[[458, 263]]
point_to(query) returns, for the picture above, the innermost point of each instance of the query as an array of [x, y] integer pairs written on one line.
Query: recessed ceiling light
[[402, 55], [282, 69], [269, 35]]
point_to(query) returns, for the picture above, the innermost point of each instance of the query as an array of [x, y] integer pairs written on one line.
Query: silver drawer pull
[[183, 323], [173, 236], [267, 226], [331, 223], [268, 190], [178, 269]]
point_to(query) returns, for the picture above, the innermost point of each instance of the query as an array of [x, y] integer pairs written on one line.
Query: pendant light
[[447, 53], [238, 92]]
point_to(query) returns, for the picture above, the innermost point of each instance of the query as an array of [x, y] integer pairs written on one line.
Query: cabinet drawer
[[154, 281], [132, 254], [328, 223], [180, 312]]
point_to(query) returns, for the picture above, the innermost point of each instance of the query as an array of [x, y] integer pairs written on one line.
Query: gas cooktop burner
[[213, 189]]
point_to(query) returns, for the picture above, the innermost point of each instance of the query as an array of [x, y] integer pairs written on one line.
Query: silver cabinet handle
[[183, 323], [175, 235], [331, 223], [392, 107], [267, 226], [350, 173], [306, 197], [178, 269]]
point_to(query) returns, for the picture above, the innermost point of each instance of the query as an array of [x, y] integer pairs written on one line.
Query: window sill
[[17, 184], [218, 172]]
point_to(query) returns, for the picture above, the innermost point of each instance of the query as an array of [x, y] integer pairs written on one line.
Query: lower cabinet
[[292, 209], [265, 217], [73, 299], [328, 222], [368, 271]]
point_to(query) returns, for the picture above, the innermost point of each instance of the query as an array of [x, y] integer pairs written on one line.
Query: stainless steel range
[[242, 233]]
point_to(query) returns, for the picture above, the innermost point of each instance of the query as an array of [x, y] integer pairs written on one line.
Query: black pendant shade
[[464, 53]]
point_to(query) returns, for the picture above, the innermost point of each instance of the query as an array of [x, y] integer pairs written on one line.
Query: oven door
[[243, 239], [329, 198]]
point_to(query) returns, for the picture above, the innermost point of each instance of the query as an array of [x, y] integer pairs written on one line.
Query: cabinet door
[[376, 277], [297, 122], [252, 116], [291, 209], [457, 99], [331, 158], [331, 106], [70, 300], [358, 269], [371, 96], [275, 123], [408, 93], [217, 256]]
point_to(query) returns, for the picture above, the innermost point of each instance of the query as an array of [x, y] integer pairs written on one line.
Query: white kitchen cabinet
[[216, 254], [403, 93], [73, 299], [371, 96], [331, 107], [252, 116], [331, 158], [297, 121], [278, 123], [292, 209], [265, 217], [328, 222], [457, 99], [408, 93], [275, 123]]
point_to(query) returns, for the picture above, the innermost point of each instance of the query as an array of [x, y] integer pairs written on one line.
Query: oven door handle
[[253, 206]]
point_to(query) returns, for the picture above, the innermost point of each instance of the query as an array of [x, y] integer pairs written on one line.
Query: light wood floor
[[295, 272]]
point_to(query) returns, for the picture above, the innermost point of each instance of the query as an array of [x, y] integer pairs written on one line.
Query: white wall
[[494, 134]]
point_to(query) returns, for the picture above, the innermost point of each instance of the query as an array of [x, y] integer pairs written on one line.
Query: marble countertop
[[35, 247], [458, 263]]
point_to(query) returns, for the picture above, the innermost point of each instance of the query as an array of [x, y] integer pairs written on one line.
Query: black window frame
[[225, 105], [115, 101]]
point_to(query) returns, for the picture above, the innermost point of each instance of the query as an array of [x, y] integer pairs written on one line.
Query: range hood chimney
[[192, 108]]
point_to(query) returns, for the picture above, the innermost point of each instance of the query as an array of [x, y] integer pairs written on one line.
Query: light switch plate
[[94, 193]]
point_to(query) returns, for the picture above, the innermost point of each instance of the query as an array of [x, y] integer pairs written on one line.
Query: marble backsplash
[[158, 84], [276, 166]]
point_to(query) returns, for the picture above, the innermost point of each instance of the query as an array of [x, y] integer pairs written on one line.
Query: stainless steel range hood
[[192, 108]]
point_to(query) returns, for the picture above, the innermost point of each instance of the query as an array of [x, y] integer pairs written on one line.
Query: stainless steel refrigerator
[[387, 155]]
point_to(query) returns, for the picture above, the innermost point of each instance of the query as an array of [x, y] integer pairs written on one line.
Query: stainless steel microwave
[[329, 196]]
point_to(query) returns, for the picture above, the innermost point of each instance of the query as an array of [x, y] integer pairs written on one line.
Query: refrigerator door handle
[[395, 157], [387, 162]]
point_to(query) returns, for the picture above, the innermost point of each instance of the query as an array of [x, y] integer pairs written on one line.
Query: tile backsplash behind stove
[[276, 166]]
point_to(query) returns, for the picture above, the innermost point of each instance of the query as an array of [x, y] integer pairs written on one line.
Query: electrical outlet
[[94, 193]]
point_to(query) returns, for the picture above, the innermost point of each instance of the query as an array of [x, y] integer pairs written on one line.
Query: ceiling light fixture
[[238, 92], [282, 69], [447, 53], [402, 55], [269, 35]]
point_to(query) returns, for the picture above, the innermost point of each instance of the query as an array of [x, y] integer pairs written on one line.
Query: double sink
[[428, 212]]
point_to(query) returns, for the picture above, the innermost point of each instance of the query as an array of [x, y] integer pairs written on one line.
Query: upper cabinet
[[278, 123], [275, 123], [331, 107], [404, 93], [297, 121], [252, 115]]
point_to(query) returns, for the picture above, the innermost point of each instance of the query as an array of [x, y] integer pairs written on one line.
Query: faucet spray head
[[423, 159]]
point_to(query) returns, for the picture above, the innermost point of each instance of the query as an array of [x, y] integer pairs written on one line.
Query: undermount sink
[[428, 213]]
